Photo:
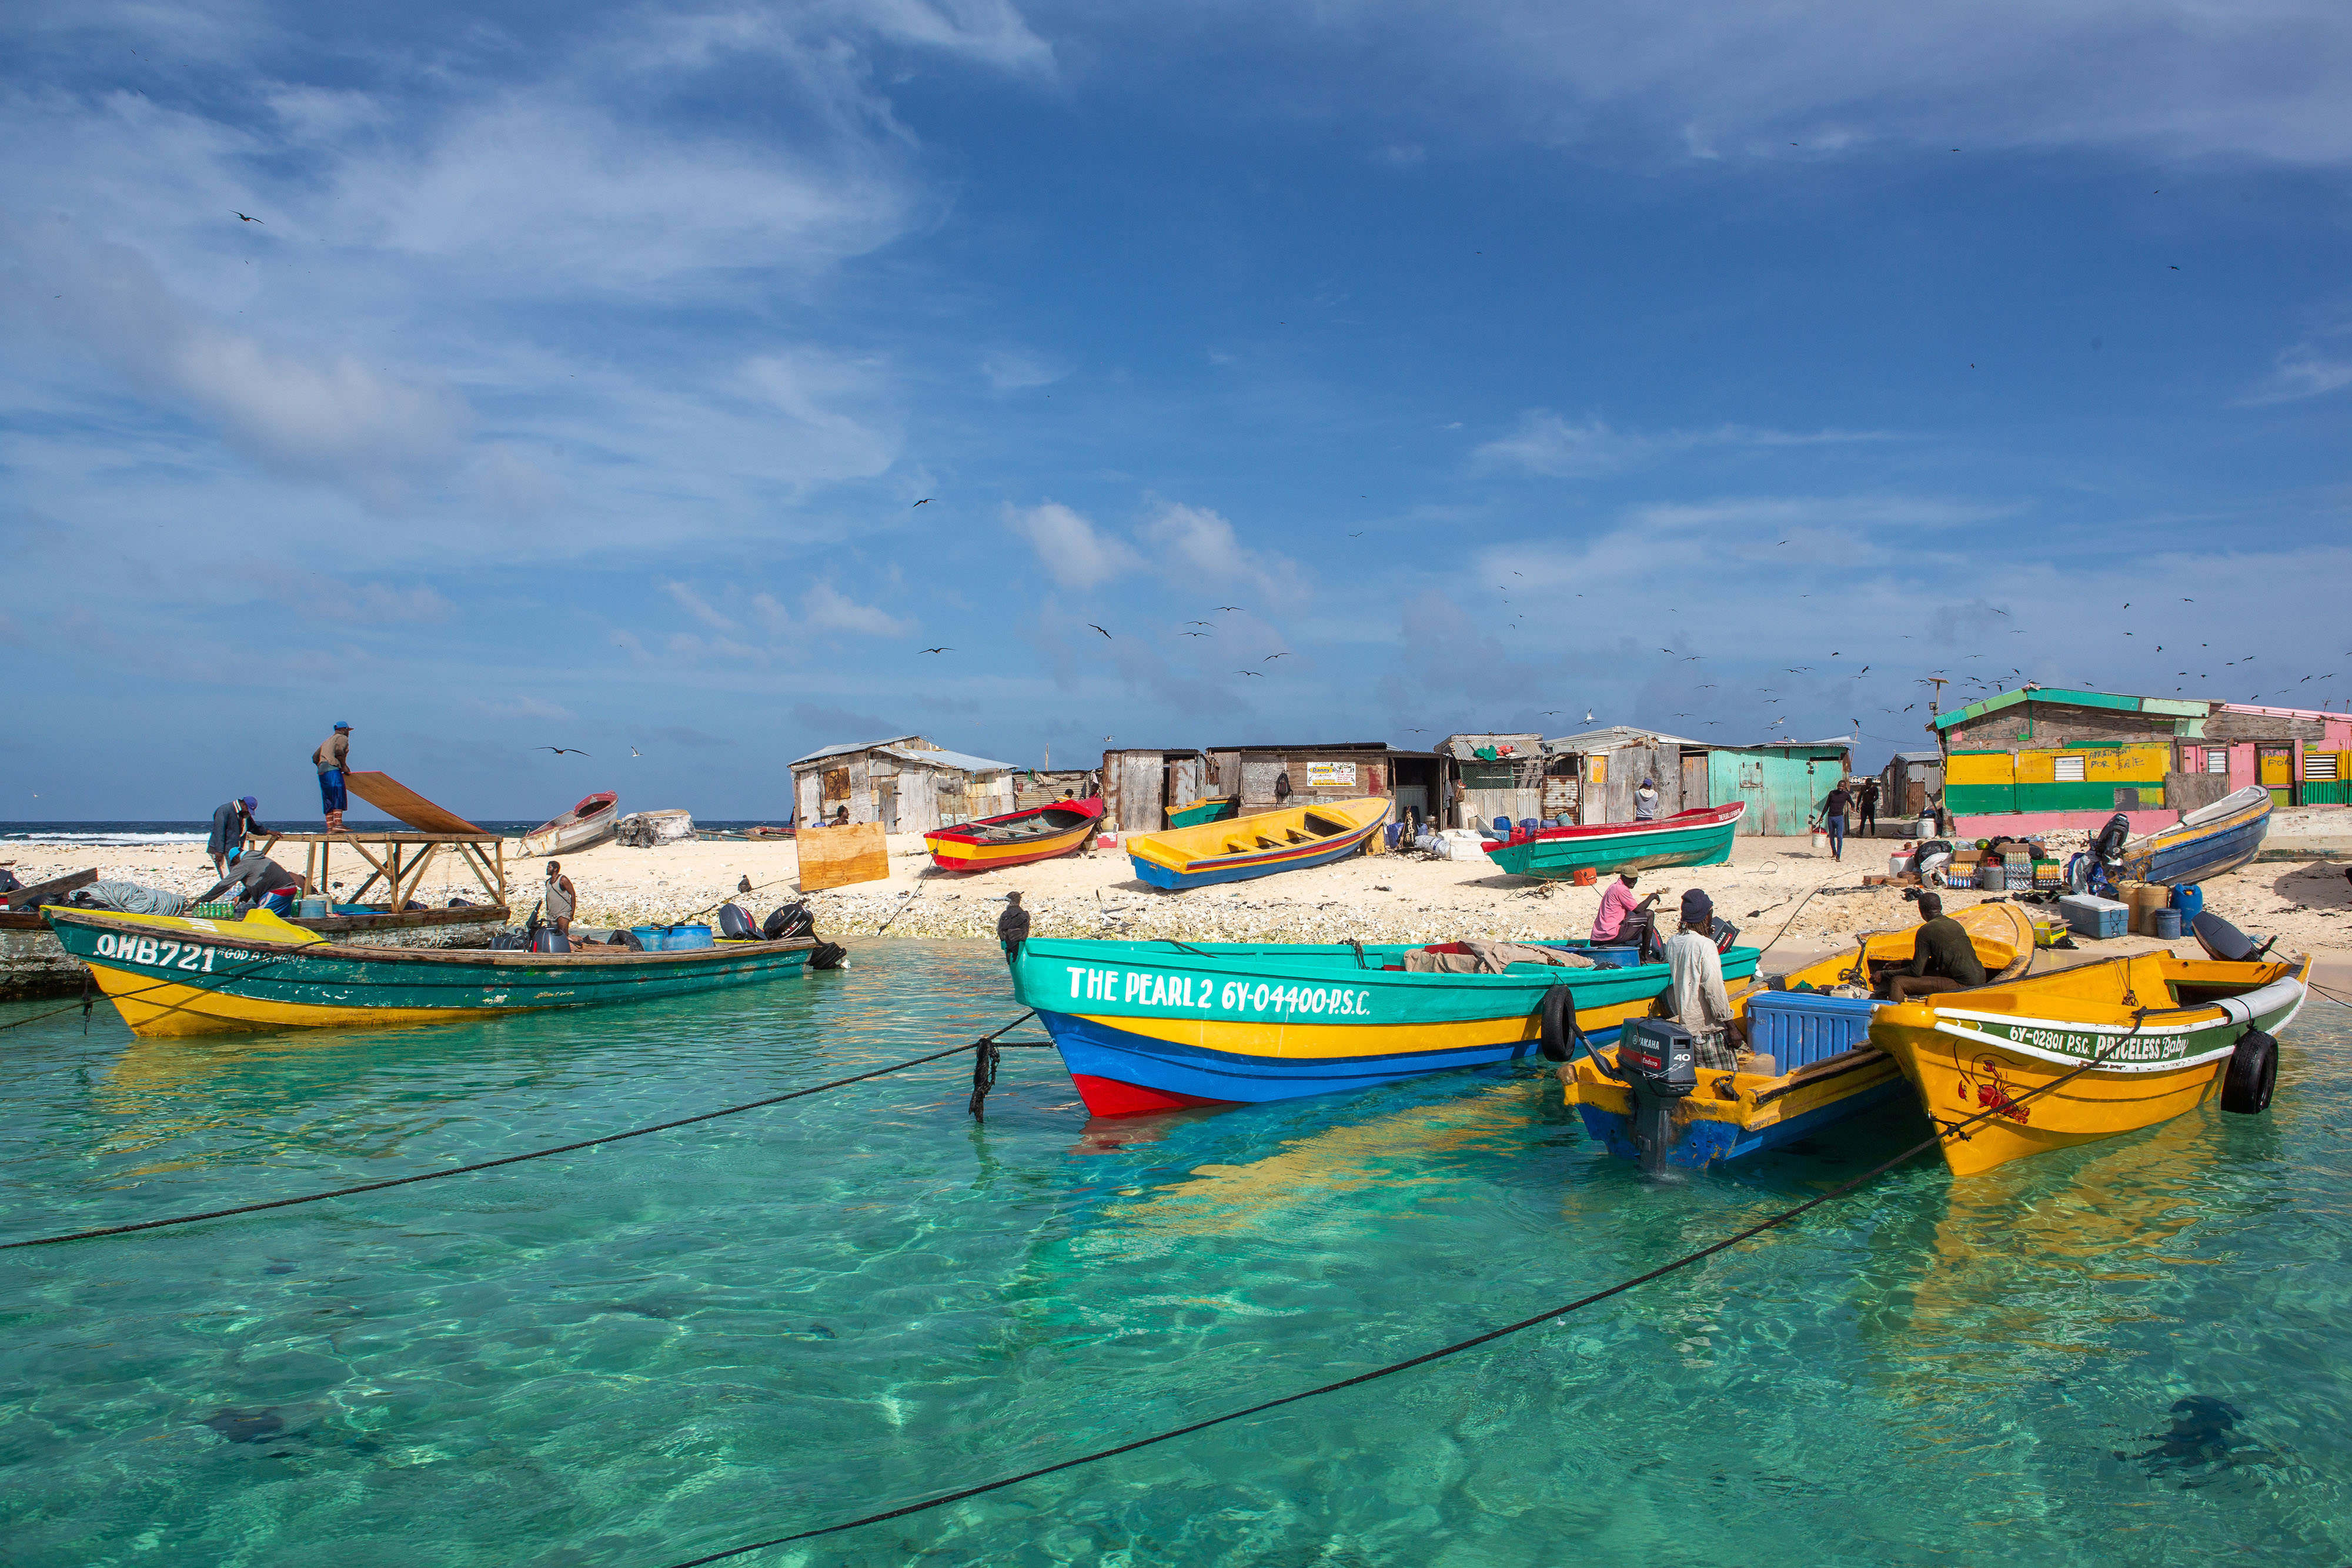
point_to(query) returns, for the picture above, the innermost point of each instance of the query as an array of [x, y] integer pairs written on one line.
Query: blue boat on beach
[[2218, 838]]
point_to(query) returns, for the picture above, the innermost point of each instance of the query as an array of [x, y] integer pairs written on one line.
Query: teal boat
[[1200, 812], [1154, 1026], [1699, 837]]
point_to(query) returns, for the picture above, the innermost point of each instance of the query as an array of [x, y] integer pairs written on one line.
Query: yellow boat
[[1816, 1065], [1259, 845], [2166, 1035]]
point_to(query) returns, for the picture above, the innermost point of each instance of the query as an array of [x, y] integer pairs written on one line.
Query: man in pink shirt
[[1615, 904]]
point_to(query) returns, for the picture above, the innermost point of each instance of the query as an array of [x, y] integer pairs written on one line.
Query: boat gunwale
[[961, 833], [1697, 817], [495, 956]]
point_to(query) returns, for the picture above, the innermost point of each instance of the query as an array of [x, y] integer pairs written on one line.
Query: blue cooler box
[[2097, 919], [1797, 1028]]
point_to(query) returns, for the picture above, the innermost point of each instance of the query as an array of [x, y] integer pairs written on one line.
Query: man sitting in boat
[[255, 875], [1615, 904], [1701, 1004], [1942, 958]]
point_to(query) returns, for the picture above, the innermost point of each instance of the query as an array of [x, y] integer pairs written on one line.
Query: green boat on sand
[[1199, 812], [1699, 837]]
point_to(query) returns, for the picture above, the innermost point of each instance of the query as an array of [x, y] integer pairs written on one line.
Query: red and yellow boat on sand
[[1017, 838], [2166, 1034]]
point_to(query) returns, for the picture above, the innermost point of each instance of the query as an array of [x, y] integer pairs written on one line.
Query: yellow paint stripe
[[171, 1009], [951, 852], [1279, 1040]]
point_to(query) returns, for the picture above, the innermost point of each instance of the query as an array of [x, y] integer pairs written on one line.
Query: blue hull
[[1708, 1142], [1095, 1050], [2209, 856], [1161, 876]]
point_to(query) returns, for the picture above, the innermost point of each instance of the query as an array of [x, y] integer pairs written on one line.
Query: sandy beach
[[1772, 888]]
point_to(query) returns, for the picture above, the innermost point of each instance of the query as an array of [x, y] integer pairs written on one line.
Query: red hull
[[1109, 1097]]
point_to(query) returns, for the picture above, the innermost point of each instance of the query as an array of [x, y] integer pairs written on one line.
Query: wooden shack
[[1494, 776], [1139, 785], [907, 784]]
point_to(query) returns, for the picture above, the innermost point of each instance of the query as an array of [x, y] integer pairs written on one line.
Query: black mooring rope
[[1439, 1353], [985, 1041]]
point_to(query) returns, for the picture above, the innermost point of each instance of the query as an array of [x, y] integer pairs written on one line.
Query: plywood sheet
[[403, 804], [835, 857]]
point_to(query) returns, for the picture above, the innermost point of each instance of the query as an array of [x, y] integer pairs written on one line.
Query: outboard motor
[[735, 925], [2107, 849], [2225, 943], [788, 923], [1660, 1059]]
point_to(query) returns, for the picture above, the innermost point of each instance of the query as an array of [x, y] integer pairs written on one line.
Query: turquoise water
[[667, 1346]]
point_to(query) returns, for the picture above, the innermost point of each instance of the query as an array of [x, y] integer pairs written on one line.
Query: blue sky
[[1496, 365]]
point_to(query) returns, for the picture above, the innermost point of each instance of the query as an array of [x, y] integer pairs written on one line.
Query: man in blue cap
[[232, 823], [1701, 1004], [332, 758]]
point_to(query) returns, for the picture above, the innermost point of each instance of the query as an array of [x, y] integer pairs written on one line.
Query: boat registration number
[[158, 954], [2152, 1047], [1155, 990]]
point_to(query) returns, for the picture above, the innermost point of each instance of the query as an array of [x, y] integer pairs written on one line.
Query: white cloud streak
[[1544, 443]]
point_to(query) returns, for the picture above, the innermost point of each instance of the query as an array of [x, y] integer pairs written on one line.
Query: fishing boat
[[1701, 836], [1156, 1026], [172, 975], [2147, 1038], [1017, 838], [2206, 842], [584, 826], [1812, 1064], [1216, 810], [1258, 846]]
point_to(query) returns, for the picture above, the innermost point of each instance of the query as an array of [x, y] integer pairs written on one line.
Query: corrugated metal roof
[[2170, 707], [961, 762], [1615, 736], [1846, 741], [1523, 743], [1919, 757], [824, 751]]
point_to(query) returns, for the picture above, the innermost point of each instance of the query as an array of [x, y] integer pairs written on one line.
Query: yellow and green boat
[[171, 975], [1193, 814]]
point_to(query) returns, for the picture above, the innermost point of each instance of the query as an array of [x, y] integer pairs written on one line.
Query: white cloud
[[380, 601], [2301, 371], [1205, 542], [515, 485], [1068, 546], [827, 609], [1543, 443], [693, 604], [1727, 79], [319, 415], [1010, 371]]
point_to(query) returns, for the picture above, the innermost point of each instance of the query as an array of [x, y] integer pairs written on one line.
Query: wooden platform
[[398, 860]]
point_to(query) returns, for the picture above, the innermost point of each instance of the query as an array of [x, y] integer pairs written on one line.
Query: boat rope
[[1791, 921], [904, 904], [984, 1041], [1425, 1358]]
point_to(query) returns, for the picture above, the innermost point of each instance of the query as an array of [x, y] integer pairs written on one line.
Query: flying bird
[[1229, 607], [1194, 633], [1588, 715], [1098, 629], [634, 752], [1200, 622], [1270, 658], [935, 650], [562, 750], [924, 502], [250, 220], [1259, 673]]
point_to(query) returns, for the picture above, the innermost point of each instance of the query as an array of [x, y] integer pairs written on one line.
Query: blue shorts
[[330, 790]]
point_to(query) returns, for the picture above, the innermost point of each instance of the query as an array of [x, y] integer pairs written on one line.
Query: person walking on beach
[[1833, 816], [232, 823], [1013, 926], [560, 900], [1868, 801], [332, 758]]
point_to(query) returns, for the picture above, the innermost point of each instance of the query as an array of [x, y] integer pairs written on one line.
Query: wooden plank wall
[[835, 857]]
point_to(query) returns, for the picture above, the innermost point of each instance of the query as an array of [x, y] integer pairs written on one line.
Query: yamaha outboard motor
[[2107, 849], [788, 923], [735, 925], [1660, 1059]]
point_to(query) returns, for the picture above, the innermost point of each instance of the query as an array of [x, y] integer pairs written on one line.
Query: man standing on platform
[[333, 759], [232, 824]]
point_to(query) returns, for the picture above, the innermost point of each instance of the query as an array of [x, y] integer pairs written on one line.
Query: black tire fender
[[1557, 1014], [2252, 1074]]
